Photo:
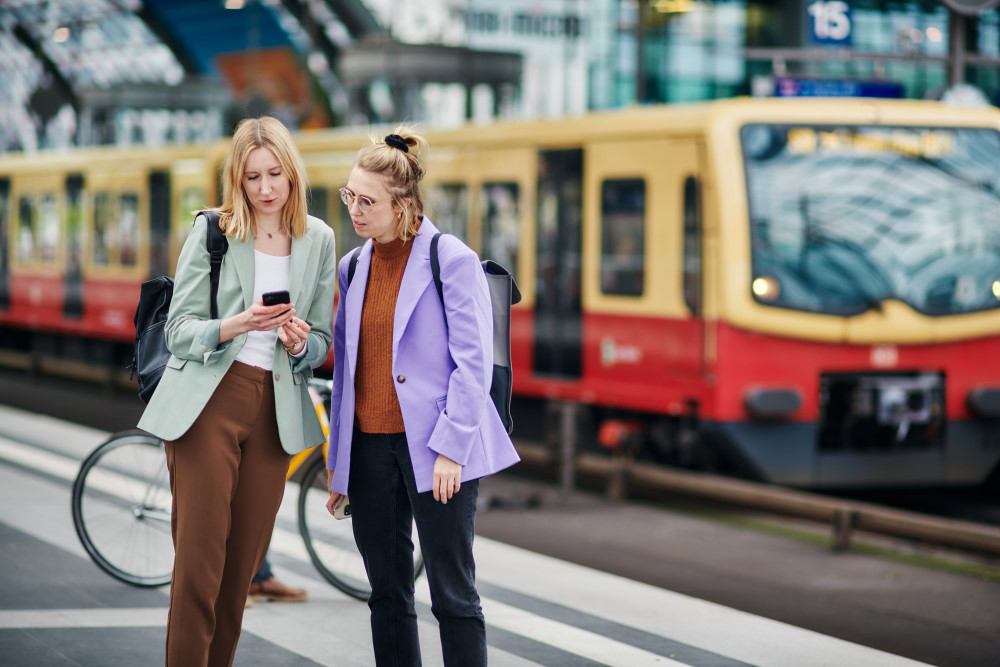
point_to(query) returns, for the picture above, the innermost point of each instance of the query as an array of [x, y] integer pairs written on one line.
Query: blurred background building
[[83, 72]]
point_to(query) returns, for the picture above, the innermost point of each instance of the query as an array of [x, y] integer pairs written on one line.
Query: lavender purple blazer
[[442, 374]]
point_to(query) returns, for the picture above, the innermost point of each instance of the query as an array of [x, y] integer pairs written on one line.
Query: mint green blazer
[[198, 362]]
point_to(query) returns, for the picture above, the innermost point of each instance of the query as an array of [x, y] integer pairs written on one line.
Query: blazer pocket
[[176, 362]]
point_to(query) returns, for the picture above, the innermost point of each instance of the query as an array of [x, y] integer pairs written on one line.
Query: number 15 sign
[[830, 22]]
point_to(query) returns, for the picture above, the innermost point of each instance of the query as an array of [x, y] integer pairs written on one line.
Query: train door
[[558, 324], [642, 287], [159, 224], [75, 224], [4, 245], [697, 350]]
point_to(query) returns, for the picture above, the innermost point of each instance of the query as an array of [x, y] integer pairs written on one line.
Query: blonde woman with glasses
[[412, 426]]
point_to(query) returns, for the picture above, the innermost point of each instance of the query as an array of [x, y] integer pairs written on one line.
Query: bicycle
[[121, 504]]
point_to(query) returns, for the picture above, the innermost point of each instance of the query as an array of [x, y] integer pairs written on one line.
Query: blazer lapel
[[416, 277], [242, 255], [301, 248], [355, 302]]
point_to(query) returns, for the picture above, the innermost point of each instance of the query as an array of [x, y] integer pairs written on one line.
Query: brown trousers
[[227, 475]]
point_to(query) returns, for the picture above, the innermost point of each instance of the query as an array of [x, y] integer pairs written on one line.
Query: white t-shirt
[[271, 274]]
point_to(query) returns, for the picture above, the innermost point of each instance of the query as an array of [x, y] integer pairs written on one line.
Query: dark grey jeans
[[384, 502]]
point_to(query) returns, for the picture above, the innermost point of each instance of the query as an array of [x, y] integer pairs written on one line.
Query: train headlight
[[772, 403], [996, 288], [984, 402], [766, 288]]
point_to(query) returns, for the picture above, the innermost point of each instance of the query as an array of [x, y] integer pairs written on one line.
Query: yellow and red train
[[807, 289]]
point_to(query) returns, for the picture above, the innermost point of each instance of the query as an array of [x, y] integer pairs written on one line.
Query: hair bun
[[397, 141]]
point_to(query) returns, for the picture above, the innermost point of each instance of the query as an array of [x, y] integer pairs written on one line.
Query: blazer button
[[277, 377], [400, 378]]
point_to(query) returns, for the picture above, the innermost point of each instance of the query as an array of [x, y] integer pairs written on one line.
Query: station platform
[[57, 608]]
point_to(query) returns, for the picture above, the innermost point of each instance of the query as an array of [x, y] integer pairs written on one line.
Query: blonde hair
[[236, 216], [403, 172]]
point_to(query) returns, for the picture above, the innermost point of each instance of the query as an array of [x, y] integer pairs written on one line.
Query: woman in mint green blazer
[[233, 404]]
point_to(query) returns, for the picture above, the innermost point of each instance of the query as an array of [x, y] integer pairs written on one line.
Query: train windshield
[[844, 218]]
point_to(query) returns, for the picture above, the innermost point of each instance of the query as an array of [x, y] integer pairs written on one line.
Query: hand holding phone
[[342, 508], [274, 298]]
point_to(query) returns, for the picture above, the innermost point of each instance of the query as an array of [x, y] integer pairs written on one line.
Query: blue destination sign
[[788, 86]]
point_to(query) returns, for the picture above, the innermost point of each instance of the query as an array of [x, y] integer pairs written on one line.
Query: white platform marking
[[711, 627]]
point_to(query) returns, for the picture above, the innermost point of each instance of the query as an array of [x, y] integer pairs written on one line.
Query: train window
[[450, 209], [75, 231], [692, 245], [48, 227], [38, 228], [499, 212], [623, 236], [103, 210], [318, 203], [128, 229], [192, 201], [5, 238], [25, 230]]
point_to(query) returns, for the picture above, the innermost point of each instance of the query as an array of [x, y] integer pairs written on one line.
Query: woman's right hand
[[334, 496], [257, 317]]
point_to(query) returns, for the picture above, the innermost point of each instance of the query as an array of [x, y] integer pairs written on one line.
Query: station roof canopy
[[52, 52]]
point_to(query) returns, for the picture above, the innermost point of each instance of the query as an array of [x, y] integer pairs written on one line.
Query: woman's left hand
[[294, 335], [447, 478]]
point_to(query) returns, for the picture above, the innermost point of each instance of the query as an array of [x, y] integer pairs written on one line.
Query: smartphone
[[342, 508], [274, 298]]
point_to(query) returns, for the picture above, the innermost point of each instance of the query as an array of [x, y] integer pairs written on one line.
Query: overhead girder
[[318, 35], [356, 17]]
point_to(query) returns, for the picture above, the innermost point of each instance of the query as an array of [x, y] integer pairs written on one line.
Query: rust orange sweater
[[376, 407]]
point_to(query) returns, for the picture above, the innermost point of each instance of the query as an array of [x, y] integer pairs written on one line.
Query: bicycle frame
[[319, 391]]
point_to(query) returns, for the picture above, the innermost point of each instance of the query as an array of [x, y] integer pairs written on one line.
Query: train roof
[[636, 121], [692, 118]]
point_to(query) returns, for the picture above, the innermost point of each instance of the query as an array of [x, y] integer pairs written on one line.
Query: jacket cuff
[[211, 350], [452, 441]]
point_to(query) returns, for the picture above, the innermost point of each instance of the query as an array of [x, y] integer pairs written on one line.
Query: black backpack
[[151, 353], [503, 294]]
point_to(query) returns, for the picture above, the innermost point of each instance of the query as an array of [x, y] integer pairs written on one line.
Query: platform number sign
[[830, 22]]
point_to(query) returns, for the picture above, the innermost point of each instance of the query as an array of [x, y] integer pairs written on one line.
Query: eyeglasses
[[364, 203]]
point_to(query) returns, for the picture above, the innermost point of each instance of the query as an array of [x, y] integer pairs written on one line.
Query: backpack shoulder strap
[[436, 267], [217, 245], [353, 265]]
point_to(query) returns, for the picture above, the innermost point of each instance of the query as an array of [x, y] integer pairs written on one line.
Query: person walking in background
[[412, 424], [233, 404]]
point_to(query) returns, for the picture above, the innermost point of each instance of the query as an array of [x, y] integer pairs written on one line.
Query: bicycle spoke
[[330, 542], [121, 509]]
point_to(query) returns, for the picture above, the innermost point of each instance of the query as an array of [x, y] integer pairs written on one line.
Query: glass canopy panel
[[97, 43]]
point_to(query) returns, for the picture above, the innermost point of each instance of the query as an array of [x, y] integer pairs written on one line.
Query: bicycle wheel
[[330, 542], [121, 509]]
